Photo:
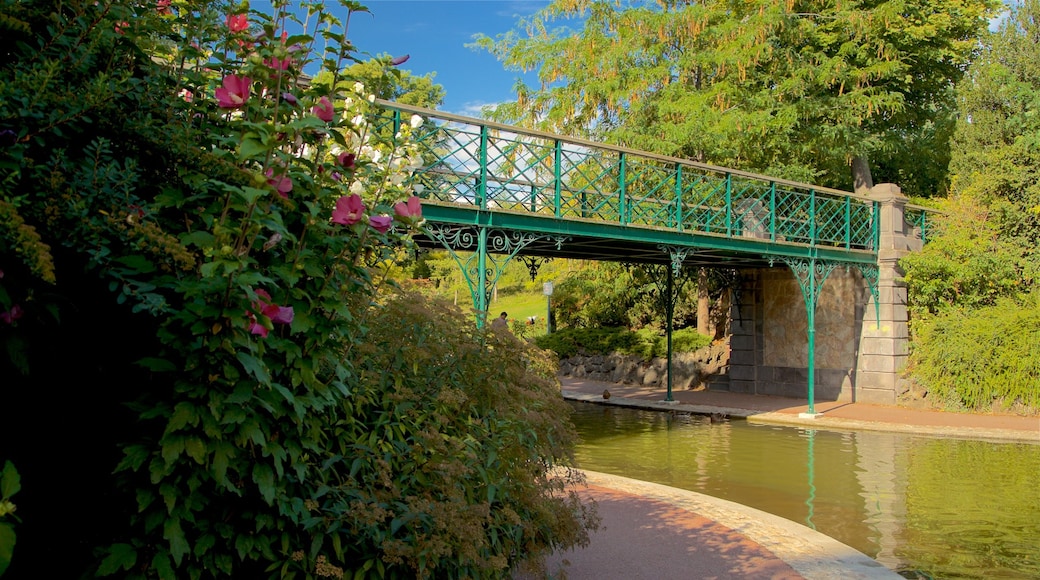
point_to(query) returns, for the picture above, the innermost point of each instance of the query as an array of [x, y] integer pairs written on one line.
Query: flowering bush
[[172, 181]]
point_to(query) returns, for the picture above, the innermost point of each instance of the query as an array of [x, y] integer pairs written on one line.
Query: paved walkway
[[653, 531]]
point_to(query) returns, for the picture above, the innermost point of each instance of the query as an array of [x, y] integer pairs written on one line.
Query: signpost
[[547, 289]]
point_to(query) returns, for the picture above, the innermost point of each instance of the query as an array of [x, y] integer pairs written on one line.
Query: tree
[[984, 248], [393, 84], [803, 89], [996, 148]]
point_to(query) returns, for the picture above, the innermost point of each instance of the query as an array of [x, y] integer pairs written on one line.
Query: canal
[[925, 507]]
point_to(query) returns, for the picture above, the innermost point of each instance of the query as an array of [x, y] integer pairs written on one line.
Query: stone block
[[881, 363], [873, 396], [742, 372], [741, 342], [883, 346], [791, 375], [743, 387], [877, 381]]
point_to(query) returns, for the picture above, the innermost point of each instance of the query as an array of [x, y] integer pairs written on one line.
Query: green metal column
[[811, 273], [557, 178], [669, 312], [622, 194], [480, 297], [482, 186], [810, 310]]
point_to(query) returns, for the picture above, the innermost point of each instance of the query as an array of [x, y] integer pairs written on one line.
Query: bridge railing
[[491, 166]]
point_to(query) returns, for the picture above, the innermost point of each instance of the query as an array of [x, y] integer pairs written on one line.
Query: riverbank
[[832, 415]]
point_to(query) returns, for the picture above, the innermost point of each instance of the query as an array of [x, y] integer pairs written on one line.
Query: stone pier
[[857, 358]]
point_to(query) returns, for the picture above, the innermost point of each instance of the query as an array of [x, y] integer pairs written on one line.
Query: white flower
[[357, 187], [358, 120], [415, 121], [418, 188], [371, 98], [359, 88]]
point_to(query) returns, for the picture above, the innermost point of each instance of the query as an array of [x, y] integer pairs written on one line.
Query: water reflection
[[928, 507]]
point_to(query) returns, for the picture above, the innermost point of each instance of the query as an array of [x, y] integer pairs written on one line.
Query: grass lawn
[[520, 306]]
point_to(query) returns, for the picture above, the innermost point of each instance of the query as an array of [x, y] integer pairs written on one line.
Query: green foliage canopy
[[793, 89]]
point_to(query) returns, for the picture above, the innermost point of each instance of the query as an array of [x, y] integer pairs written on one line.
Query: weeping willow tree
[[813, 90]]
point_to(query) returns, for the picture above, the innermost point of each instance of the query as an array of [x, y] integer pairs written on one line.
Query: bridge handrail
[[483, 163], [424, 112]]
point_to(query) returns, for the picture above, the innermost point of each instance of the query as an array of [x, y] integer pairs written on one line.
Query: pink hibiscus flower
[[281, 183], [11, 315], [276, 314], [380, 223], [234, 93], [348, 210], [410, 210], [237, 22], [324, 110]]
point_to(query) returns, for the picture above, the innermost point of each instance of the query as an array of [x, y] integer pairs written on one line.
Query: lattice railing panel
[[499, 167]]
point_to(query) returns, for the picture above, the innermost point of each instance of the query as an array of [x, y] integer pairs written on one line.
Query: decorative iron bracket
[[810, 273], [677, 254], [482, 269]]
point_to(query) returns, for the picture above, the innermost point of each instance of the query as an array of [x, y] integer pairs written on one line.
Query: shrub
[[979, 359], [446, 461], [188, 234]]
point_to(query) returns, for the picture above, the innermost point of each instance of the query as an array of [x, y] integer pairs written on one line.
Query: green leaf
[[137, 262], [10, 481], [7, 539], [161, 564], [173, 534], [255, 367], [251, 194], [196, 449], [200, 239], [158, 365], [172, 447], [222, 454], [249, 148], [184, 414], [120, 557], [263, 477]]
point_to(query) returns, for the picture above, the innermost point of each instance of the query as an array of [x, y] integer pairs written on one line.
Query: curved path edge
[[813, 555]]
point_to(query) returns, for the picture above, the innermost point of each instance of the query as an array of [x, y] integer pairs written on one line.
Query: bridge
[[493, 192]]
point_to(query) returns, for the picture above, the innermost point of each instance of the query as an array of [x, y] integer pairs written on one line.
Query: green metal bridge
[[492, 192]]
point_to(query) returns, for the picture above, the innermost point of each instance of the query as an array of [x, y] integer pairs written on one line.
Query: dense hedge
[[981, 359]]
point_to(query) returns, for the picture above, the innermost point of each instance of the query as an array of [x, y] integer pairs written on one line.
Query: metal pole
[[480, 300], [810, 307], [669, 307], [548, 314]]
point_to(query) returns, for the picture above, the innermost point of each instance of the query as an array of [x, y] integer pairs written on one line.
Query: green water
[[925, 507]]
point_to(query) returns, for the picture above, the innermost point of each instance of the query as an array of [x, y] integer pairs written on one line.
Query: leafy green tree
[[997, 143], [388, 81], [984, 248], [804, 90], [972, 289]]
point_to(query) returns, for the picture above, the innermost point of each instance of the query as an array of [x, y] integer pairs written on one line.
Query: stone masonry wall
[[691, 370]]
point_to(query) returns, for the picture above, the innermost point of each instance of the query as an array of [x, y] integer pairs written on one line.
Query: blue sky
[[434, 33]]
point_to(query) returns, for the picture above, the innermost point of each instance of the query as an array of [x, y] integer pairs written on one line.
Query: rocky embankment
[[692, 370]]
